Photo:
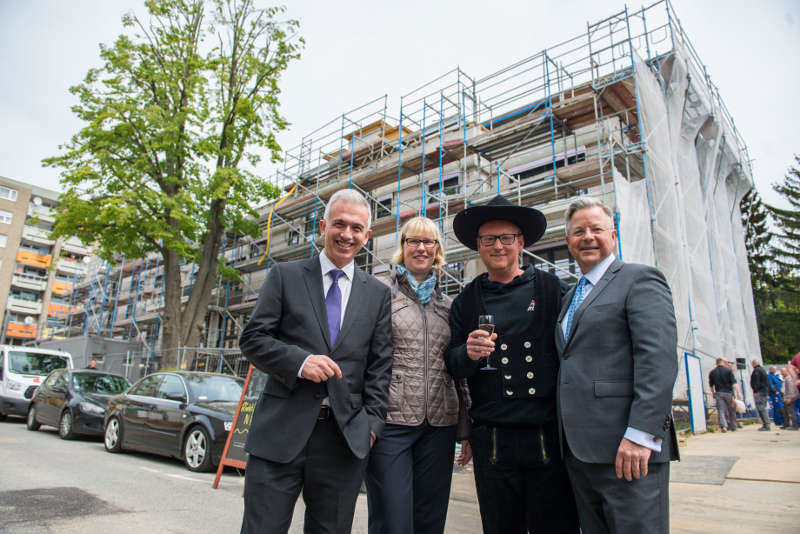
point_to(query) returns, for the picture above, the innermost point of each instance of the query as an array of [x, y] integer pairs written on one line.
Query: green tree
[[757, 238], [183, 105], [787, 248], [778, 316]]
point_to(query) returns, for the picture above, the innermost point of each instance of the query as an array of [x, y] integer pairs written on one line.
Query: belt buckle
[[324, 413]]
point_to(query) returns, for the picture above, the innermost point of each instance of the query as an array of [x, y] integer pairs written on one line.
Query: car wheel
[[65, 430], [197, 450], [112, 438], [31, 421]]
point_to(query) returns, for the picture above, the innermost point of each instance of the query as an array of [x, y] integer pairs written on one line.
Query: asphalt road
[[51, 485]]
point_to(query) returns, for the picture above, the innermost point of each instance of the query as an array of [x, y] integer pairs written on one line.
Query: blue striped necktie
[[577, 298]]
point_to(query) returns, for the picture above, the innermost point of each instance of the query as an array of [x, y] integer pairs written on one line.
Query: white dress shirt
[[592, 278], [345, 283]]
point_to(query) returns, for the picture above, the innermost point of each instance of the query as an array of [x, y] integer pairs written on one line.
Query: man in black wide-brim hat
[[520, 477]]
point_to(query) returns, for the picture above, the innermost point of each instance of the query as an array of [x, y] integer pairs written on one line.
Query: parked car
[[21, 372], [186, 415], [74, 401]]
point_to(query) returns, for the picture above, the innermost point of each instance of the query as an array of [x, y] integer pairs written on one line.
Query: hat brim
[[531, 222]]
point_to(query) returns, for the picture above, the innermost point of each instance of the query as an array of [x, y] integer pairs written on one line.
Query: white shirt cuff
[[300, 371], [644, 439]]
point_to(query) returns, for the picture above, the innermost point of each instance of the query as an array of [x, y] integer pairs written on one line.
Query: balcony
[[21, 330], [40, 212], [36, 235], [31, 258], [18, 305], [61, 310], [29, 281], [71, 267], [61, 288], [75, 246]]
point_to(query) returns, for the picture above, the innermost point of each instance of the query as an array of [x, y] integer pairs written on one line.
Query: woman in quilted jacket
[[411, 464]]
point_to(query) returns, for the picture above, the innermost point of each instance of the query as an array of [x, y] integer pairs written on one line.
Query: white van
[[22, 369]]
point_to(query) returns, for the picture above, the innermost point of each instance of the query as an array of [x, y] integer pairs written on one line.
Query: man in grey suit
[[322, 331], [617, 340]]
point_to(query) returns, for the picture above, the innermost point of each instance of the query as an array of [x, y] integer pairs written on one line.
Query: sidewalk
[[738, 482]]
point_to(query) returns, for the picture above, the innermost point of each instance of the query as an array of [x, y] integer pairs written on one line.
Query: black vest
[[522, 390]]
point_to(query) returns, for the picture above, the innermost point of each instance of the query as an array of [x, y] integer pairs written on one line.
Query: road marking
[[180, 477]]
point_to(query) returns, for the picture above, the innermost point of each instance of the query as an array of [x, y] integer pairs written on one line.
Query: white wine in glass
[[486, 323]]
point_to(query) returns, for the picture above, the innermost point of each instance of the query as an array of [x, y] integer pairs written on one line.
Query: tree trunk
[[206, 278], [173, 317]]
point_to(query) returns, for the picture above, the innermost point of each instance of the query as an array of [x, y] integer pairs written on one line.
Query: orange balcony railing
[[21, 330], [60, 310], [61, 288], [31, 258]]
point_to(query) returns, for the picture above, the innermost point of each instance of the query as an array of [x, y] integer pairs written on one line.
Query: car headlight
[[13, 385], [90, 407], [227, 426]]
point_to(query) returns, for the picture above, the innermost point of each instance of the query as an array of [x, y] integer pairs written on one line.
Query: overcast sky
[[360, 50]]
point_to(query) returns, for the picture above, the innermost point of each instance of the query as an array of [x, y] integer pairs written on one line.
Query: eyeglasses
[[506, 239], [595, 230], [414, 242]]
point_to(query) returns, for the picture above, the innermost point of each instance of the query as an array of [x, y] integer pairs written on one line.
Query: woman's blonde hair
[[420, 227]]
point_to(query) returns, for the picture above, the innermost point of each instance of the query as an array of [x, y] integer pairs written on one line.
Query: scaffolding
[[625, 112]]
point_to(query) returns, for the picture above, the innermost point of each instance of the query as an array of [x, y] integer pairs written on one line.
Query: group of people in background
[[560, 396], [784, 394], [776, 394]]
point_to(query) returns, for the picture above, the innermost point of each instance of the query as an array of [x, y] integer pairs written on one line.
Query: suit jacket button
[[529, 375], [529, 358], [531, 391], [509, 393], [504, 360], [503, 346], [507, 377], [527, 344]]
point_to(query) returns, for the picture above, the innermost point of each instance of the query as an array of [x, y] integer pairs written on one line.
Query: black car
[[182, 414], [74, 401]]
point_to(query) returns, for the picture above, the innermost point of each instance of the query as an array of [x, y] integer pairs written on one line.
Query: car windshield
[[31, 363], [210, 388], [98, 383]]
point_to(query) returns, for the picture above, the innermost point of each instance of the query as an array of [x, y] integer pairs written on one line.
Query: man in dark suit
[[617, 340], [322, 331]]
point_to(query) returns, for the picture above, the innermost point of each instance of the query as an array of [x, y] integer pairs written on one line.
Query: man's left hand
[[371, 440], [631, 460]]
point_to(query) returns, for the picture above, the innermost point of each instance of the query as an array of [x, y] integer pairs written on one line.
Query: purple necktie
[[333, 305]]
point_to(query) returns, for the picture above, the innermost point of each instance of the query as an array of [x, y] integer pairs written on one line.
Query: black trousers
[[326, 471], [521, 480], [610, 505], [408, 479]]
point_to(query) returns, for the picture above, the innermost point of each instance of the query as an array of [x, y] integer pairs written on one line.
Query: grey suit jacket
[[288, 323], [619, 364]]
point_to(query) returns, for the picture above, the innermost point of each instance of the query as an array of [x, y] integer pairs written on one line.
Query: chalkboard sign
[[234, 454]]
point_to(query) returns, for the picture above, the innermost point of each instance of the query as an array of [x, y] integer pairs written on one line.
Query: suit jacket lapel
[[358, 290], [602, 284], [312, 276], [609, 275]]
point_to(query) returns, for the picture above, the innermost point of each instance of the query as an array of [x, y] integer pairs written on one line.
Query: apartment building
[[37, 273]]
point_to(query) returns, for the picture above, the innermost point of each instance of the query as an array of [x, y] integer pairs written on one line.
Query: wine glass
[[486, 323]]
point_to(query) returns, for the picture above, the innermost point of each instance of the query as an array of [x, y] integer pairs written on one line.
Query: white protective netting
[[690, 227]]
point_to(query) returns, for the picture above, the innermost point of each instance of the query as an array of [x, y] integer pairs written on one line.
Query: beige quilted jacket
[[421, 387]]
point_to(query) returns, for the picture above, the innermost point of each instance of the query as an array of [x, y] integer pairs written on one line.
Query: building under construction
[[625, 112]]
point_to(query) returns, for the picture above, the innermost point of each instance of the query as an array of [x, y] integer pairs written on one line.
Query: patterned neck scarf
[[423, 289]]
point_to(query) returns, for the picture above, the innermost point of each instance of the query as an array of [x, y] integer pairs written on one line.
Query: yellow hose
[[269, 221]]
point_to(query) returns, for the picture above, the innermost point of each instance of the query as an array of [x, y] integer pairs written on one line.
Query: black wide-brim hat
[[532, 222]]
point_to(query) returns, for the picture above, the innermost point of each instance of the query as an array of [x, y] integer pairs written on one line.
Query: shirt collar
[[327, 265], [597, 272]]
